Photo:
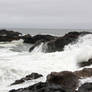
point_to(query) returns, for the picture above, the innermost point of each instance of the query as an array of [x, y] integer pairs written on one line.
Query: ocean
[[16, 61], [57, 32]]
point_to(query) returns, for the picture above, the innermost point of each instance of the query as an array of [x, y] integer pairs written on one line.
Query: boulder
[[56, 82], [27, 38], [4, 32], [86, 72], [43, 38], [36, 38], [87, 87], [7, 35], [67, 80], [40, 87], [28, 77], [59, 43], [85, 63]]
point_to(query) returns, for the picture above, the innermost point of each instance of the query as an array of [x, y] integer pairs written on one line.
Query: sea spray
[[15, 65]]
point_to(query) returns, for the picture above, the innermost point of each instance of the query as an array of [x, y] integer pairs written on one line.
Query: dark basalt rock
[[67, 80], [40, 87], [37, 38], [85, 63], [56, 82], [43, 38], [86, 72], [4, 32], [35, 88], [87, 87], [27, 38], [6, 35], [28, 77], [59, 43]]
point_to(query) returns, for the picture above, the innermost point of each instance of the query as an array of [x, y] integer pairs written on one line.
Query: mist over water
[[16, 61]]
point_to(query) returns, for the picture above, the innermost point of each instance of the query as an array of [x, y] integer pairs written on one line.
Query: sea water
[[16, 61]]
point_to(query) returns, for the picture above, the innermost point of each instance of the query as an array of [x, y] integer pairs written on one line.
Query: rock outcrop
[[7, 36], [84, 73], [87, 87], [28, 77], [56, 82], [85, 63], [34, 39], [41, 87], [43, 38], [58, 43], [67, 80], [27, 38]]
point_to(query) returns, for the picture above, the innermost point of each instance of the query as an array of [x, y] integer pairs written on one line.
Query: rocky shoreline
[[52, 43], [65, 81]]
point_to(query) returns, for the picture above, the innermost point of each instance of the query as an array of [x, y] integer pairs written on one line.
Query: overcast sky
[[46, 13]]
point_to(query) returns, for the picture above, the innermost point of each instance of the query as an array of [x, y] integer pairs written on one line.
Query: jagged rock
[[28, 77], [6, 35], [56, 82], [40, 87], [37, 38], [67, 80], [4, 32], [86, 72], [27, 38], [85, 63], [59, 43], [87, 87], [35, 88], [43, 38]]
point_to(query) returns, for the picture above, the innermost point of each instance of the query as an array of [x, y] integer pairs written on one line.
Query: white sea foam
[[17, 64]]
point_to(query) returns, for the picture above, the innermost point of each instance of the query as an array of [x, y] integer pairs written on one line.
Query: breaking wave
[[16, 61]]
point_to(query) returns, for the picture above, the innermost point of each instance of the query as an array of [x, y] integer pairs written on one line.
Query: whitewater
[[16, 61]]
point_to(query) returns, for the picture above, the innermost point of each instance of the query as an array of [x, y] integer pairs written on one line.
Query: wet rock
[[59, 43], [38, 43], [85, 63], [7, 35], [35, 88], [41, 87], [56, 82], [4, 32], [28, 77], [27, 38], [86, 72], [43, 38], [38, 39], [67, 80], [87, 87]]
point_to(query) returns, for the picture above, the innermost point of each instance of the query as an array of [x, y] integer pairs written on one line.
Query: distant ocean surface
[[47, 31]]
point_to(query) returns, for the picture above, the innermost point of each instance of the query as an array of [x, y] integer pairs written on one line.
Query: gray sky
[[46, 13]]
